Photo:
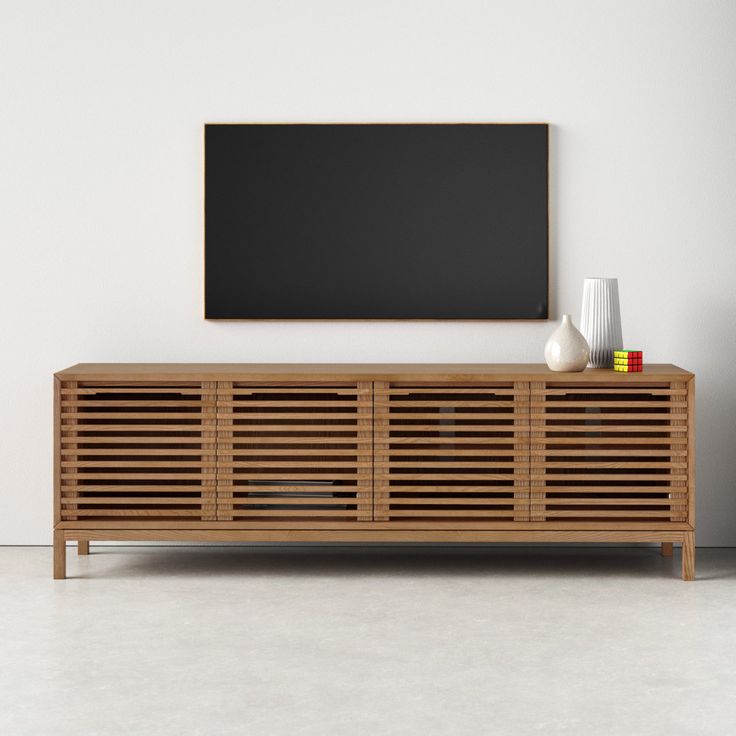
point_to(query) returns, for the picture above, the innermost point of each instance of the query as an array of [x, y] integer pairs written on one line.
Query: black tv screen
[[376, 221]]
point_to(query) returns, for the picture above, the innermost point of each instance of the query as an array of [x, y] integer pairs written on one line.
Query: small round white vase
[[566, 349]]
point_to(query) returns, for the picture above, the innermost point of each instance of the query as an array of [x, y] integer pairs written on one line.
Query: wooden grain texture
[[373, 453], [426, 524], [365, 442], [536, 452], [299, 372], [365, 535], [83, 547], [125, 453], [691, 452], [57, 450], [680, 487], [295, 452], [68, 433], [666, 549], [688, 556], [486, 476], [60, 538], [583, 465]]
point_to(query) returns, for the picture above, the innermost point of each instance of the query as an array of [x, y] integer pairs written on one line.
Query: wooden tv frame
[[373, 453]]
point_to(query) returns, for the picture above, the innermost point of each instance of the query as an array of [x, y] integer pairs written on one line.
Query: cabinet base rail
[[84, 536]]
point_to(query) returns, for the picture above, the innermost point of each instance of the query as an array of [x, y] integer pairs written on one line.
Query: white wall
[[102, 106]]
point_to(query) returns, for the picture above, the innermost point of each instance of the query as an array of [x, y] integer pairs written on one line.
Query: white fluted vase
[[600, 321]]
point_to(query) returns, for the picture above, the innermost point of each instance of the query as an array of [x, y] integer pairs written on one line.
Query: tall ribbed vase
[[600, 321]]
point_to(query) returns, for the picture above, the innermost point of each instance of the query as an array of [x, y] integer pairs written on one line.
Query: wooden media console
[[373, 453]]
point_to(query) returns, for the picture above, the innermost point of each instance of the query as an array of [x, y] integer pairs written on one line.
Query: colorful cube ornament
[[628, 361]]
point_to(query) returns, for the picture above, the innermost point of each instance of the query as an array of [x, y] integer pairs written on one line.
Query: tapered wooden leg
[[688, 556], [59, 555], [83, 547], [666, 549]]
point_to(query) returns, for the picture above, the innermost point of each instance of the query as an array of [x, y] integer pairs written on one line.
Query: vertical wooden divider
[[209, 450], [679, 496], [522, 485], [691, 452], [380, 450], [57, 450], [224, 451], [536, 452], [365, 450], [67, 442]]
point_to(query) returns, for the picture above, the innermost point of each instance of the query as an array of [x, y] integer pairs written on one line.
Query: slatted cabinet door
[[609, 452], [451, 454], [137, 451], [295, 454]]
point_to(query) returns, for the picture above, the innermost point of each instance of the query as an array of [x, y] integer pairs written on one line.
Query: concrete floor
[[349, 640]]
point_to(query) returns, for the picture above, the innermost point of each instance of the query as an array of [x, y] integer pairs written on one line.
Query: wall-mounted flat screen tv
[[376, 221]]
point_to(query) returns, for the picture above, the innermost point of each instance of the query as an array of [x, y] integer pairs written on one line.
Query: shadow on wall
[[710, 334]]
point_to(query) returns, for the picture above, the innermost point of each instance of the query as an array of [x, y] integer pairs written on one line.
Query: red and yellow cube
[[628, 361]]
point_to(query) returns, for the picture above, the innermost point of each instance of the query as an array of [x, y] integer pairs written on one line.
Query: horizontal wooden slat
[[618, 428], [313, 464], [325, 430], [119, 442], [135, 389], [451, 476], [397, 417], [438, 453], [302, 403], [329, 488], [313, 441], [125, 403], [361, 451], [627, 441], [295, 391], [593, 453], [449, 513], [286, 501], [131, 500], [551, 406], [322, 474], [606, 476], [310, 415], [429, 488], [438, 463], [507, 430], [122, 452], [134, 488], [613, 391], [487, 443], [137, 512], [509, 499], [593, 513], [137, 476], [291, 512], [606, 464], [628, 488], [612, 502], [141, 463], [628, 530], [444, 403], [625, 417], [122, 415], [170, 429]]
